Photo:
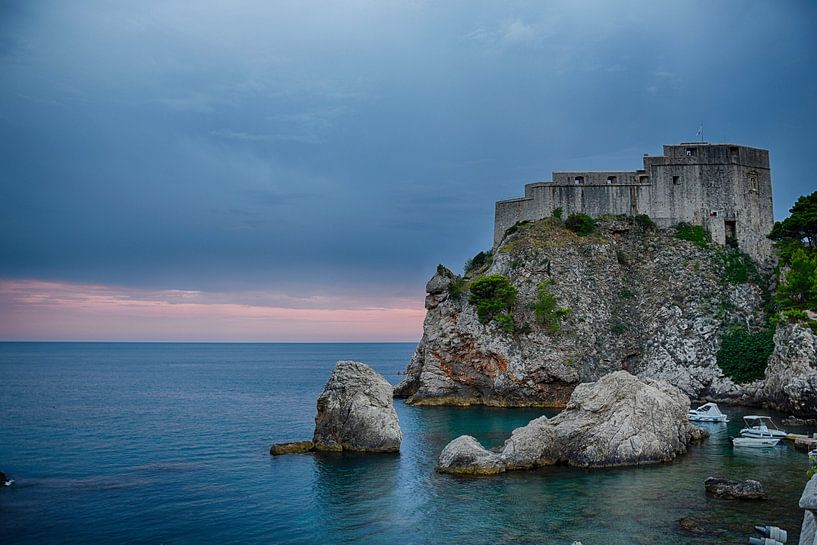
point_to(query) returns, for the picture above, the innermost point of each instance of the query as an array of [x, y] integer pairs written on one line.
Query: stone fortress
[[725, 188]]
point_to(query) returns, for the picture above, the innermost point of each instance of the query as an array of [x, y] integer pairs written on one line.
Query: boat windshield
[[762, 422]]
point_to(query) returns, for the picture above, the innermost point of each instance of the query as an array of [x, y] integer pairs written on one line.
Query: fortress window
[[643, 179], [611, 179], [734, 154], [676, 180], [579, 180], [692, 152], [753, 181]]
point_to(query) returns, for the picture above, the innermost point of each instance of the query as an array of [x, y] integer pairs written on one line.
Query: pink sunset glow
[[37, 310]]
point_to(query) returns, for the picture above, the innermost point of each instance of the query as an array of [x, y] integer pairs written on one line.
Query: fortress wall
[[509, 212], [725, 188]]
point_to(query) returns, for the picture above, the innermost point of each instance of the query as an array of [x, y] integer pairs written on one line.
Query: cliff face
[[640, 300]]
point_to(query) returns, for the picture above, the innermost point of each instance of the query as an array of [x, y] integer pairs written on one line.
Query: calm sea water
[[168, 443]]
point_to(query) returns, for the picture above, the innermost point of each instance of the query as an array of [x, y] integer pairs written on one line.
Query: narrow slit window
[[676, 180], [611, 179], [753, 182], [692, 152], [579, 180]]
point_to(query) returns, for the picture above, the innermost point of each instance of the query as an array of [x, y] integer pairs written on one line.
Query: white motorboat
[[707, 413], [757, 442], [761, 427]]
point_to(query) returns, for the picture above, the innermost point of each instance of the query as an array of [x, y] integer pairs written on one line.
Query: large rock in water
[[356, 412], [618, 420]]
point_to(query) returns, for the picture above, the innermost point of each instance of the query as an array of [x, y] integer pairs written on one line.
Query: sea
[[169, 444]]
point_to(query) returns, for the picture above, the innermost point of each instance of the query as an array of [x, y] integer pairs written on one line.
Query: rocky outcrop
[[355, 413], [465, 456], [640, 300], [735, 490], [277, 449], [619, 420], [791, 376]]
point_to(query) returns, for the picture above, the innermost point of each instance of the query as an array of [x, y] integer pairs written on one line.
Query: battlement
[[724, 187]]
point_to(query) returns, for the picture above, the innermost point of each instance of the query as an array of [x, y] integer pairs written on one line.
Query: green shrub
[[442, 270], [692, 233], [457, 287], [738, 267], [505, 322], [645, 222], [482, 259], [492, 295], [622, 259], [743, 355], [581, 224], [557, 213], [546, 308]]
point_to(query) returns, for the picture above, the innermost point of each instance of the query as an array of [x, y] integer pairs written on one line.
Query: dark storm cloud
[[214, 145]]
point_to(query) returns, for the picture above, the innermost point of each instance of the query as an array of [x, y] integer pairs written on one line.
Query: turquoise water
[[168, 443]]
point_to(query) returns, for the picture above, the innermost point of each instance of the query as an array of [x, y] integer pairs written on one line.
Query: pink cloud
[[38, 310]]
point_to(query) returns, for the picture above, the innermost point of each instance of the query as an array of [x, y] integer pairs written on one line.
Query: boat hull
[[755, 442], [749, 432], [699, 418]]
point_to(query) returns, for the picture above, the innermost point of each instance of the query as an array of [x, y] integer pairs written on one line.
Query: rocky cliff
[[640, 299]]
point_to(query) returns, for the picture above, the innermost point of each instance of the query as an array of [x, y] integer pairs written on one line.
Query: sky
[[254, 170]]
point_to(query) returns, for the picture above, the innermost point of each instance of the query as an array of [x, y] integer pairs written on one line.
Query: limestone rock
[[278, 449], [808, 500], [356, 412], [735, 490], [619, 420], [531, 446], [791, 375], [465, 456]]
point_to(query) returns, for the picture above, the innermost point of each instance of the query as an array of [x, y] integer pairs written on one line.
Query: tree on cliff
[[799, 229], [796, 241]]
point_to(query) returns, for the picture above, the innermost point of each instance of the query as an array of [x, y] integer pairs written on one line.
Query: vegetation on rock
[[547, 309], [645, 222], [505, 322], [479, 261], [492, 295], [692, 233], [743, 355], [557, 213], [738, 267], [457, 287], [581, 224]]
